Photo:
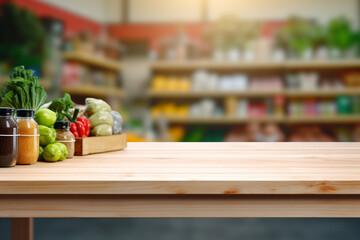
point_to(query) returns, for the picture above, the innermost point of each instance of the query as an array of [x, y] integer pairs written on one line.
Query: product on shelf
[[304, 81], [308, 81], [347, 133], [255, 132], [344, 105], [242, 108], [177, 133], [356, 134], [231, 106], [270, 133], [75, 74], [312, 107], [236, 82], [194, 134], [204, 108], [170, 109], [257, 109], [311, 133], [352, 79], [236, 135], [86, 42], [165, 83], [279, 102], [266, 83], [333, 83], [205, 81]]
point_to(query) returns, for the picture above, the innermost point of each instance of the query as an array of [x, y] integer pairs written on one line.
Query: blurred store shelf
[[94, 91], [274, 119], [325, 119], [323, 93], [217, 94], [253, 93], [93, 60], [289, 64], [221, 120]]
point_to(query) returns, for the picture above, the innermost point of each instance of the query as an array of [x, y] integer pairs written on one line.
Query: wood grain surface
[[179, 206], [99, 144], [196, 168]]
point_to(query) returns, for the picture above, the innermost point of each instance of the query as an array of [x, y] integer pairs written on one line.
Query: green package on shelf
[[344, 105]]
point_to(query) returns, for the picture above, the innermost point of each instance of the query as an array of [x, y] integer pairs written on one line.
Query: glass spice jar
[[28, 137], [64, 136], [8, 138]]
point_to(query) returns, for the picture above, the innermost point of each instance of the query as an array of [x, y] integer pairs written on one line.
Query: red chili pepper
[[73, 129], [81, 129], [86, 123]]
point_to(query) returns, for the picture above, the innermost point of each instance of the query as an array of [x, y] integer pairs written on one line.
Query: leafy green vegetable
[[340, 34], [23, 91], [297, 35], [61, 106]]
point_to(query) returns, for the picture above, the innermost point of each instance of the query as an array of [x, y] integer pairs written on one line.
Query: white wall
[[321, 10], [98, 10], [165, 10], [113, 11], [190, 10], [93, 9]]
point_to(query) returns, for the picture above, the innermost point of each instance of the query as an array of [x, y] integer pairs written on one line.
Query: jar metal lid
[[25, 113], [62, 125], [6, 111]]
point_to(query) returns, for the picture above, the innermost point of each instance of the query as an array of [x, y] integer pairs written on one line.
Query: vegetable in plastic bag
[[102, 130], [118, 122], [101, 117], [95, 105]]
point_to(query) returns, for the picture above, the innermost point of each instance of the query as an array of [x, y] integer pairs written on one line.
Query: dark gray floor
[[191, 229]]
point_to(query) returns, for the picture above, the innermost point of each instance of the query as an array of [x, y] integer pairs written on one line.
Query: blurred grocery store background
[[197, 70], [200, 70]]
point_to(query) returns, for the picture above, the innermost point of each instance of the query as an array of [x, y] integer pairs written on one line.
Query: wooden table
[[188, 180]]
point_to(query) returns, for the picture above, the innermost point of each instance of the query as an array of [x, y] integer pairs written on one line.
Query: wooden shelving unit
[[281, 65], [220, 120], [339, 119], [107, 66], [93, 91], [253, 93], [212, 94], [93, 60], [175, 67], [345, 119]]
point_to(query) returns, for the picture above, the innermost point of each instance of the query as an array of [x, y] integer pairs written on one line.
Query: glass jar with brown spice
[[8, 138], [64, 136]]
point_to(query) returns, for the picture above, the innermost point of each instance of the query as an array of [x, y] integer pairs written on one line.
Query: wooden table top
[[196, 168]]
